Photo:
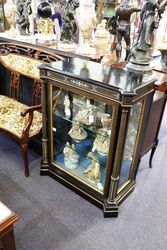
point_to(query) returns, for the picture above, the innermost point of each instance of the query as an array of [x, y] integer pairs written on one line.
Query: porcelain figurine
[[106, 121], [93, 171], [67, 107], [77, 133], [86, 114], [71, 158], [101, 143]]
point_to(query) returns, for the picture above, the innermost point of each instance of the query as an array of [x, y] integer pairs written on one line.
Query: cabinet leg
[[152, 154], [110, 209]]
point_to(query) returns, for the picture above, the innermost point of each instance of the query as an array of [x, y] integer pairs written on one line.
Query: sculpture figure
[[87, 113], [106, 121], [67, 104], [69, 28], [93, 170], [141, 52], [71, 157], [123, 15], [148, 24], [101, 143], [24, 10], [77, 132]]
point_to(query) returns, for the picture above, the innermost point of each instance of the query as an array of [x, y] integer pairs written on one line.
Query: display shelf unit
[[94, 121]]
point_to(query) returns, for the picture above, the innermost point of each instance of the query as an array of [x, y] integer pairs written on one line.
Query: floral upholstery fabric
[[11, 119], [22, 64]]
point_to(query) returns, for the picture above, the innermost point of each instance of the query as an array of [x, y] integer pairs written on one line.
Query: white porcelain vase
[[10, 11], [86, 21], [102, 40]]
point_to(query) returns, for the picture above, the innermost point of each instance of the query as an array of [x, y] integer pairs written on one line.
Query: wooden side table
[[156, 115], [7, 220]]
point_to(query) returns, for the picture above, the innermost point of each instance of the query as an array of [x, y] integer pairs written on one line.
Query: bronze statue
[[24, 10], [141, 52], [149, 22], [123, 15], [69, 28]]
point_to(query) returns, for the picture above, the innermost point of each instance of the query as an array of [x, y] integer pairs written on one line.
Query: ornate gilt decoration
[[45, 26]]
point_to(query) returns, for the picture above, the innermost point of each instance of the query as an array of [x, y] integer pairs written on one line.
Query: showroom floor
[[53, 217]]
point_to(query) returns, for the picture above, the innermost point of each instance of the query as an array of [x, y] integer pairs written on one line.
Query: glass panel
[[130, 142], [81, 135]]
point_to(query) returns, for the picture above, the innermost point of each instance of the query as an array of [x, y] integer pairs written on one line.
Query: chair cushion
[[11, 119]]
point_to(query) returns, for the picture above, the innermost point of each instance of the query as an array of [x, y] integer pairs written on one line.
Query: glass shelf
[[90, 129]]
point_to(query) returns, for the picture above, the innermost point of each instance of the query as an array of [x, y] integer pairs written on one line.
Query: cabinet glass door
[[130, 142], [81, 136]]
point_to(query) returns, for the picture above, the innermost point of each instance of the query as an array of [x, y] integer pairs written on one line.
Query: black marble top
[[120, 79]]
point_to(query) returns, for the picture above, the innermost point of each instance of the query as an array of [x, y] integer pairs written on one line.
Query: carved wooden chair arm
[[27, 126], [31, 109]]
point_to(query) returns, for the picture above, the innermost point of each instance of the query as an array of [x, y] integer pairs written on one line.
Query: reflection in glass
[[130, 142], [81, 135]]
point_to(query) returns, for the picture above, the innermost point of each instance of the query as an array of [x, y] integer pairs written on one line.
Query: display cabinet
[[94, 119]]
